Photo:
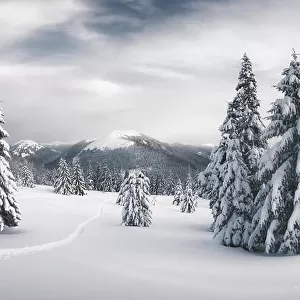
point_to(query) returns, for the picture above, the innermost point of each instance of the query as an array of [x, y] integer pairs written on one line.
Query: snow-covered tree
[[89, 177], [170, 185], [159, 185], [249, 127], [210, 180], [189, 180], [233, 223], [10, 215], [63, 182], [178, 196], [45, 176], [104, 179], [26, 176], [188, 201], [276, 223], [78, 182], [116, 180], [136, 210], [124, 189], [243, 123]]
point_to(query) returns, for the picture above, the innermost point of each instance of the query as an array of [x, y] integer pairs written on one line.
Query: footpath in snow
[[175, 258]]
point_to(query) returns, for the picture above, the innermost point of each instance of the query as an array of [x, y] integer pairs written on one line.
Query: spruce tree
[[136, 210], [210, 180], [116, 180], [89, 177], [159, 185], [123, 189], [78, 182], [97, 177], [243, 123], [178, 196], [27, 179], [276, 223], [10, 215], [63, 182], [188, 201], [104, 179], [249, 127], [170, 185], [233, 223]]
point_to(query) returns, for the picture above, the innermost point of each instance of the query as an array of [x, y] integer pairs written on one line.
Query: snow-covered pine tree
[[123, 189], [10, 215], [249, 127], [116, 180], [178, 196], [105, 179], [189, 180], [136, 210], [159, 185], [188, 203], [210, 180], [63, 181], [233, 223], [27, 179], [196, 183], [97, 176], [170, 185], [89, 177], [276, 223], [78, 182], [243, 115]]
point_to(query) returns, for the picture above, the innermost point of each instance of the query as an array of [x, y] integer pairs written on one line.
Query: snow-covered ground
[[84, 253]]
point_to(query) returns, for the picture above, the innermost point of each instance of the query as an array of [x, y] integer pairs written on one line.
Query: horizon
[[57, 143]]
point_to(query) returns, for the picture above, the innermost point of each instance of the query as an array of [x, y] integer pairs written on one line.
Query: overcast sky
[[72, 69]]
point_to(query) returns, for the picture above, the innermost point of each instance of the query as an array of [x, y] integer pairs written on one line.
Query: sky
[[79, 69]]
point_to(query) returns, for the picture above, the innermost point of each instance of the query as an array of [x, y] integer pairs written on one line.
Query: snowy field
[[83, 253]]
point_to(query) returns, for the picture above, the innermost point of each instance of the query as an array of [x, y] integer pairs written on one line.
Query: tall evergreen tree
[[170, 185], [276, 223], [10, 215], [97, 178], [116, 180], [27, 179], [242, 123], [178, 196], [249, 127], [78, 182], [104, 180], [63, 182], [89, 177], [233, 223], [159, 185], [188, 201], [210, 180], [124, 189], [136, 210]]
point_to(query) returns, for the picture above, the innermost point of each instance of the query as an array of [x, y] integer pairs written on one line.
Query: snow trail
[[9, 253]]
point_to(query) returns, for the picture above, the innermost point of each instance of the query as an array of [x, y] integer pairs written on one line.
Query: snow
[[175, 258], [116, 140], [26, 148]]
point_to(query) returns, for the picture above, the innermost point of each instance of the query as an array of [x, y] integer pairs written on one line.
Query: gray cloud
[[76, 69]]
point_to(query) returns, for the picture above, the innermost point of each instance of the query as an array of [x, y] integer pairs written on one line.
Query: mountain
[[116, 140], [133, 150], [122, 150], [33, 151]]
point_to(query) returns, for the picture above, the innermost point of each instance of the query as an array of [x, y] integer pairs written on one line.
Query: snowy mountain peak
[[121, 134], [115, 140], [26, 148]]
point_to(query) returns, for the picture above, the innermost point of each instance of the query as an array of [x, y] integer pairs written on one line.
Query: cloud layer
[[75, 69]]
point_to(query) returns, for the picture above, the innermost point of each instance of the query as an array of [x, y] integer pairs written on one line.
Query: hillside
[[120, 150]]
